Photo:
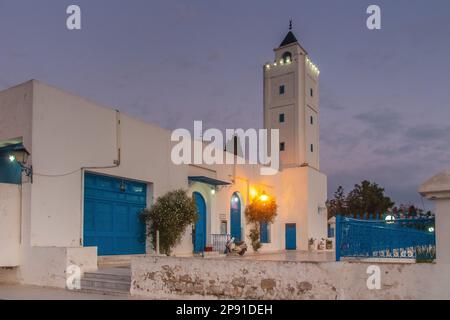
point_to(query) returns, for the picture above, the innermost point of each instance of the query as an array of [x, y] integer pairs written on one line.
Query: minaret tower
[[291, 103]]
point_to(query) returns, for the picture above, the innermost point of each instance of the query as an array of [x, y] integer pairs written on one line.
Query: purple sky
[[385, 95]]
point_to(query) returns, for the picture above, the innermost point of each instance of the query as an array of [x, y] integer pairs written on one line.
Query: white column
[[437, 189]]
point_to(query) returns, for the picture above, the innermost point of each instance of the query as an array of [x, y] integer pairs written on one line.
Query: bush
[[170, 215]]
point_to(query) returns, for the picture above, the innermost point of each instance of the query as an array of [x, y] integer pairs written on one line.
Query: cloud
[[428, 132], [381, 120]]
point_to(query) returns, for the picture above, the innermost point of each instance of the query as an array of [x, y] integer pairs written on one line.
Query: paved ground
[[301, 256], [20, 292]]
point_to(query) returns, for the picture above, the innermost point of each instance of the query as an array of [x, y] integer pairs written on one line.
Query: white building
[[95, 168]]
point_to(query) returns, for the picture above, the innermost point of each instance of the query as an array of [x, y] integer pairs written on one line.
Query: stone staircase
[[108, 280]]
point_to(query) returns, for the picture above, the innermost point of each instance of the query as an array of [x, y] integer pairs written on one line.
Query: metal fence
[[402, 239], [219, 242]]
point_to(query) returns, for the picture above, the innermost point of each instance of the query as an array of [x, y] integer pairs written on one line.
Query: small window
[[312, 120], [312, 148], [223, 227], [282, 146], [282, 89], [312, 92], [281, 118]]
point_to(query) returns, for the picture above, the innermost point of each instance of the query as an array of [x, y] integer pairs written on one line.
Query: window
[[312, 92], [282, 146], [287, 57], [312, 148], [264, 236], [312, 120], [281, 118], [223, 227], [282, 89]]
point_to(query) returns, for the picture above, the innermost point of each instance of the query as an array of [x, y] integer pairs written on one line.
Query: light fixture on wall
[[264, 197], [20, 156], [213, 191]]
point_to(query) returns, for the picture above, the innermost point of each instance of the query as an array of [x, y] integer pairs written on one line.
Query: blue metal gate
[[200, 226], [403, 238], [235, 217], [111, 215], [291, 236]]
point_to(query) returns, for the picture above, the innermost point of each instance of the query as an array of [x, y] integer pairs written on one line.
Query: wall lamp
[[20, 156]]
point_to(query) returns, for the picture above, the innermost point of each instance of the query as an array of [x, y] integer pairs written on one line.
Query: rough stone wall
[[184, 278]]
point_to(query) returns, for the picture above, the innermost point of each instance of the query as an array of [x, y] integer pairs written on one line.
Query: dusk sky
[[385, 95]]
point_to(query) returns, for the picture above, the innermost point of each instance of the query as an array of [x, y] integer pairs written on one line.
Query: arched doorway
[[200, 225], [235, 217]]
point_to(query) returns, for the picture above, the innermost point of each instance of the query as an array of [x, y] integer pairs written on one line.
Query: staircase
[[108, 280]]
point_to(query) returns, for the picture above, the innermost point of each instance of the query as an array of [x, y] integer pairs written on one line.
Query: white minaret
[[291, 103]]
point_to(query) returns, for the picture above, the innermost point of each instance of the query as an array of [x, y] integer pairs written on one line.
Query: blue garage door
[[291, 236], [111, 215], [200, 226]]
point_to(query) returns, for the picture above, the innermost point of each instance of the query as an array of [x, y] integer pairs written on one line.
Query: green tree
[[365, 198], [170, 215], [368, 198], [337, 205]]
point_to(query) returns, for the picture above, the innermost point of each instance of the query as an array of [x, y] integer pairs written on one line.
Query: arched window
[[287, 57]]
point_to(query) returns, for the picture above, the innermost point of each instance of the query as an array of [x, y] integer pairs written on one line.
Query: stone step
[[99, 275], [104, 291], [115, 260], [105, 285]]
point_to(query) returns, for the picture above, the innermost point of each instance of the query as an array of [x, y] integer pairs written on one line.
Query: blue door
[[235, 217], [200, 226], [111, 215], [291, 236], [264, 232]]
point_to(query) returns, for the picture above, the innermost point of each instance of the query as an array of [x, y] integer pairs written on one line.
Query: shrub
[[261, 209], [170, 215]]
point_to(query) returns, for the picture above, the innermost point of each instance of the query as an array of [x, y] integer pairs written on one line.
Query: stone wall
[[181, 278]]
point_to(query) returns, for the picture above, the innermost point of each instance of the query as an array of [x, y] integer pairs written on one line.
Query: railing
[[380, 239], [219, 242]]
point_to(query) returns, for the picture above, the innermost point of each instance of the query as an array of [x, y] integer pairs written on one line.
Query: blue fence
[[403, 238]]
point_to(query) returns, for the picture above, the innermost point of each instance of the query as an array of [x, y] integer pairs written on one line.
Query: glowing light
[[281, 62], [268, 66], [253, 193], [274, 64], [264, 197], [213, 191], [390, 219], [12, 158], [430, 229]]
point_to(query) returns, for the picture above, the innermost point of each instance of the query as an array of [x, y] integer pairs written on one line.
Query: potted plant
[[311, 242], [329, 244], [321, 244]]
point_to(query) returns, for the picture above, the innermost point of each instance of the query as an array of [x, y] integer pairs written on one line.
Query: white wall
[[10, 212], [86, 137], [16, 113], [282, 280]]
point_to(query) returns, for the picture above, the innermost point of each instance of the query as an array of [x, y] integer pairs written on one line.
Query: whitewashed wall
[[9, 225]]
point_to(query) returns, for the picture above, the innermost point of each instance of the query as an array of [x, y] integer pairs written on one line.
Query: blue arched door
[[200, 226], [235, 217]]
